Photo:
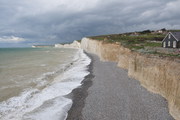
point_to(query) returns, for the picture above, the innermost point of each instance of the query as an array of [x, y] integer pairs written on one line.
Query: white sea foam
[[50, 110], [47, 103]]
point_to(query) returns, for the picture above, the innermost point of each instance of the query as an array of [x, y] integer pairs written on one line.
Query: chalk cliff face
[[159, 75], [106, 52], [75, 44]]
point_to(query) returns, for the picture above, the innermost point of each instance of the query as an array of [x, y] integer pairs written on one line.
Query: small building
[[134, 34], [172, 40], [159, 31]]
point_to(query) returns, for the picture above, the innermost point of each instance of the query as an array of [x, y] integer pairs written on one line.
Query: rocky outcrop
[[159, 75], [75, 44]]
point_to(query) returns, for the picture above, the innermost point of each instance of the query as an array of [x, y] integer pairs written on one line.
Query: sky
[[42, 22]]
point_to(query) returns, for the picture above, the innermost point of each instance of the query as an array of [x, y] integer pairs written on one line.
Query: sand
[[109, 94]]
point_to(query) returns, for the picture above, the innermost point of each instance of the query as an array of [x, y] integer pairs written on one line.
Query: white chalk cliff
[[75, 44]]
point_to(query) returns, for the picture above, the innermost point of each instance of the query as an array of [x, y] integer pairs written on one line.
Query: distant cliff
[[42, 46], [157, 74], [75, 44]]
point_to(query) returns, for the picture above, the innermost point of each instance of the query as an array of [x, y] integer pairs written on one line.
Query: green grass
[[165, 54], [136, 47], [152, 44], [132, 42], [137, 43]]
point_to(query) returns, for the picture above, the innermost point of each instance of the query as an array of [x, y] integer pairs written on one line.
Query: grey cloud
[[61, 24]]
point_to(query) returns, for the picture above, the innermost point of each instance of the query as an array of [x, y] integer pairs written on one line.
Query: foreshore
[[107, 93], [79, 95]]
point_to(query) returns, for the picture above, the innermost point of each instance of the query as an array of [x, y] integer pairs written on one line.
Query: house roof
[[177, 35]]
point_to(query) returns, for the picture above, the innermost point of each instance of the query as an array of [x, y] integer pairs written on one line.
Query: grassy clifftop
[[133, 40], [144, 42]]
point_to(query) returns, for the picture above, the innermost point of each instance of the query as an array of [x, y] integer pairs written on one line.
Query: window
[[174, 44], [164, 44], [169, 43], [169, 36]]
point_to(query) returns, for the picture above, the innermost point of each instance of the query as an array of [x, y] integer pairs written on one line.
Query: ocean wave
[[46, 99]]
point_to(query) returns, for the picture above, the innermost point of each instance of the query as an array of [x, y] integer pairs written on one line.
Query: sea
[[35, 82]]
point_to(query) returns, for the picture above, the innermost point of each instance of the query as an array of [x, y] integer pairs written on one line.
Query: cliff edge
[[157, 74]]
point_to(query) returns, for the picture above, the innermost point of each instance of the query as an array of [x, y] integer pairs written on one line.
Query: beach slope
[[115, 96]]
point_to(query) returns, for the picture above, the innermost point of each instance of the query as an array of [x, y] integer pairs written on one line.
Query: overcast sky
[[28, 22]]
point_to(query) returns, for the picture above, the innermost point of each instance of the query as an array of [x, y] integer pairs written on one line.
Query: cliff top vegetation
[[146, 41]]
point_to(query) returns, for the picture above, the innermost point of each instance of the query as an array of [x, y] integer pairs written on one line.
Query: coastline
[[78, 95], [113, 95], [158, 74]]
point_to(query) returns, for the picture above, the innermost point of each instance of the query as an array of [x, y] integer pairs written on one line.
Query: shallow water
[[33, 81]]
